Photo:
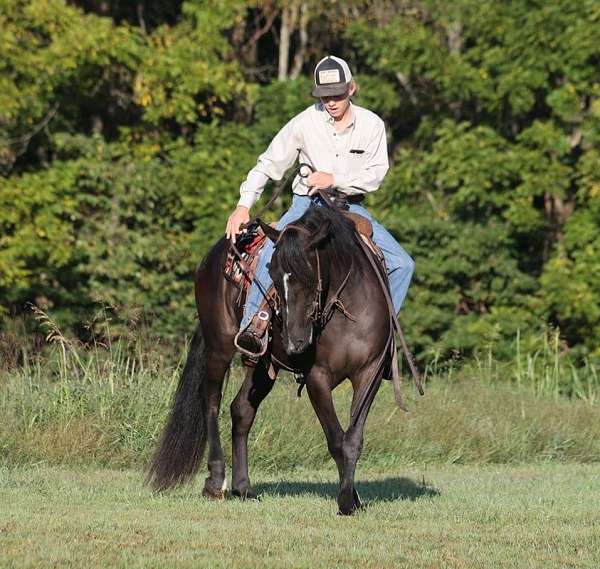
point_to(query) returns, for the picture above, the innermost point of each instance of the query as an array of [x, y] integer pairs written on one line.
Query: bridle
[[321, 313]]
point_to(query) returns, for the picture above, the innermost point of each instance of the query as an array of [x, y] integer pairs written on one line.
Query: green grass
[[419, 516], [106, 408], [483, 472]]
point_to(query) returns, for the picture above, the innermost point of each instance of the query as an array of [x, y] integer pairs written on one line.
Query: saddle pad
[[362, 224]]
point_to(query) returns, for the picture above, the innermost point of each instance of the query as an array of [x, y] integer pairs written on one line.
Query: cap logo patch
[[329, 76]]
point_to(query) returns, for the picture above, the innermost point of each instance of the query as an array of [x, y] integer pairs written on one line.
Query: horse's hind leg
[[255, 388], [217, 364]]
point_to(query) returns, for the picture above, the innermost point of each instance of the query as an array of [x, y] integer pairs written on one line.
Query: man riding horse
[[329, 286], [346, 147]]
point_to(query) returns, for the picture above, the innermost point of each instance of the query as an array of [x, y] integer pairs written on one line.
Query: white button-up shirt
[[356, 157]]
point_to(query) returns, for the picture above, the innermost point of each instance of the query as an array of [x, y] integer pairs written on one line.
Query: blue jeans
[[399, 264]]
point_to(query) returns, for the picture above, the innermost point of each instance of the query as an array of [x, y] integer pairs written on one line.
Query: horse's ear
[[269, 231], [321, 234]]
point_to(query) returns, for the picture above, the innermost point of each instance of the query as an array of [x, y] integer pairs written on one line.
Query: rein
[[279, 190], [394, 327]]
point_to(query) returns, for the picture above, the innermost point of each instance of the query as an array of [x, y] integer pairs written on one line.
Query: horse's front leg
[[255, 388], [365, 388], [319, 385]]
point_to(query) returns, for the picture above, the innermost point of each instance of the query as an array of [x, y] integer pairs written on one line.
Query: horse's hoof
[[212, 493], [246, 494], [349, 504], [346, 509]]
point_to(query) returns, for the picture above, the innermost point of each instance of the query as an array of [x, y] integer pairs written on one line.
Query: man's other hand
[[239, 216], [319, 181]]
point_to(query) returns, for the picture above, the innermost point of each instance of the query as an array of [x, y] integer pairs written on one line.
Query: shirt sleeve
[[374, 169], [272, 164]]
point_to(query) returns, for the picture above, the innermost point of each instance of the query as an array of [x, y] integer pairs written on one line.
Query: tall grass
[[541, 363], [106, 405], [551, 374], [102, 404]]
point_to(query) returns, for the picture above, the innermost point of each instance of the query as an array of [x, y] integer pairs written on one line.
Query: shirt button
[[337, 155]]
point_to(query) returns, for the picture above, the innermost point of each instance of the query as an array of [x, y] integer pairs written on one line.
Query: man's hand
[[239, 216], [319, 181]]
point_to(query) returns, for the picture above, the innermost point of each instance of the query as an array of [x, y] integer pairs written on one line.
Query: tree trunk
[[455, 40], [301, 53], [288, 23], [140, 15]]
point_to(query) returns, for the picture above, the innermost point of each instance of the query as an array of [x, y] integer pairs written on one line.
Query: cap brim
[[330, 90]]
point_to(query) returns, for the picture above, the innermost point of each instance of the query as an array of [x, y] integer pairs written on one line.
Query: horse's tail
[[177, 458]]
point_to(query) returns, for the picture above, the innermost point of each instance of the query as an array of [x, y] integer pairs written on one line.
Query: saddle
[[240, 265], [241, 261]]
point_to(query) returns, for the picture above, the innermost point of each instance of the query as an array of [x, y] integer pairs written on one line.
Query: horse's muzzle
[[298, 345]]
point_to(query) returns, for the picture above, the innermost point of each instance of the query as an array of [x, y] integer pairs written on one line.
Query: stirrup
[[262, 340]]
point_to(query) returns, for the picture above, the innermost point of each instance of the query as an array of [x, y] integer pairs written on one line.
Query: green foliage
[[188, 73], [492, 188], [124, 228], [59, 64], [123, 142]]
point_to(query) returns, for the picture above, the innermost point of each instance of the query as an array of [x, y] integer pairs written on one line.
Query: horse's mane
[[340, 242]]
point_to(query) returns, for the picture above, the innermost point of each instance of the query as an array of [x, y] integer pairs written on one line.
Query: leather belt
[[355, 198], [342, 200]]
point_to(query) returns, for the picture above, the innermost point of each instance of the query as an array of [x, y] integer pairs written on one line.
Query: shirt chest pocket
[[357, 158]]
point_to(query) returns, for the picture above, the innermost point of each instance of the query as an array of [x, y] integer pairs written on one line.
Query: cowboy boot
[[252, 341]]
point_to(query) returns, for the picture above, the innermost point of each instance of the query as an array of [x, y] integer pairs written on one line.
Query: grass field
[[434, 516], [483, 472]]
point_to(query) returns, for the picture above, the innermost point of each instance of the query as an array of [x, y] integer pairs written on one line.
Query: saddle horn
[[270, 232]]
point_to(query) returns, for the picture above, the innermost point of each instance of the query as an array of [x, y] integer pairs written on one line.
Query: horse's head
[[296, 273]]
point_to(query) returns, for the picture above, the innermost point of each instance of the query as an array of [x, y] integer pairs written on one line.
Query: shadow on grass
[[385, 490]]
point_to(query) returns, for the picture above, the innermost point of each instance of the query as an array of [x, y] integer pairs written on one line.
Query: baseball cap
[[332, 76]]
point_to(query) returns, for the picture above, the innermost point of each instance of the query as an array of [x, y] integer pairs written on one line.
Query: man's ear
[[269, 231], [321, 235]]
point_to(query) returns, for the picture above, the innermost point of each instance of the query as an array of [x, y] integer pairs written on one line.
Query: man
[[346, 145]]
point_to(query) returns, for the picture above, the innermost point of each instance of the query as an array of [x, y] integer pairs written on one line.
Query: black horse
[[334, 324]]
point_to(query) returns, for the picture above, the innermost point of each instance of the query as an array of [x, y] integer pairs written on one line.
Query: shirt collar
[[328, 118]]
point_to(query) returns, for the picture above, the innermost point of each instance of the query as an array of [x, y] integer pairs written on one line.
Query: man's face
[[338, 105]]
